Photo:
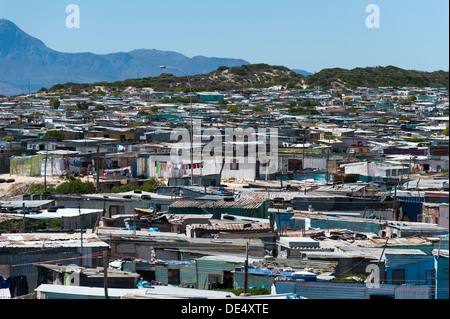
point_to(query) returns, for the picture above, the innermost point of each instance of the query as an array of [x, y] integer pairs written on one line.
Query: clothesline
[[106, 171], [169, 166]]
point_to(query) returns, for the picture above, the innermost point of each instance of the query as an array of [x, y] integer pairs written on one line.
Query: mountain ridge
[[25, 59], [267, 76]]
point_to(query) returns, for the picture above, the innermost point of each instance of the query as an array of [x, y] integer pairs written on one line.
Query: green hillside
[[377, 77], [265, 76]]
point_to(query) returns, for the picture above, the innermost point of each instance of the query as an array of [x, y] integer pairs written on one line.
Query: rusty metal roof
[[232, 226], [27, 240], [242, 203]]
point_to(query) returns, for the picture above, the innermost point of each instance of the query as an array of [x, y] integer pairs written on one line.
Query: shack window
[[213, 281], [398, 276], [173, 276], [227, 280], [116, 210], [234, 165]]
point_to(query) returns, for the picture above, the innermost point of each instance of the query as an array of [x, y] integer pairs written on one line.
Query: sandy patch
[[22, 183]]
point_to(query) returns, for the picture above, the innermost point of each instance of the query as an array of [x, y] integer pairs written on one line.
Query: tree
[[257, 109], [81, 106], [55, 103], [143, 113], [445, 131], [233, 109], [60, 136], [150, 185], [406, 102], [76, 186], [124, 188], [36, 189], [39, 189]]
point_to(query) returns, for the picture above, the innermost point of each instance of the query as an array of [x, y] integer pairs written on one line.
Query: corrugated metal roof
[[50, 239], [230, 227], [242, 203]]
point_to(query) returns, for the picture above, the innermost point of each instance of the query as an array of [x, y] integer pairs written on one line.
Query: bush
[[36, 189], [150, 185], [251, 291], [76, 187], [124, 188]]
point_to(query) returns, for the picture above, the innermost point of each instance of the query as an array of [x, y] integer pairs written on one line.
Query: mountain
[[25, 59], [224, 78], [302, 72], [377, 77], [265, 76]]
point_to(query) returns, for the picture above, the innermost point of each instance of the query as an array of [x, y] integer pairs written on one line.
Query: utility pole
[[45, 167], [246, 270], [328, 157], [303, 148], [97, 165], [23, 212], [105, 273], [81, 235], [409, 169]]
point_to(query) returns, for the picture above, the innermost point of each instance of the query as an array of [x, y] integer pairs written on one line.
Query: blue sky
[[301, 34]]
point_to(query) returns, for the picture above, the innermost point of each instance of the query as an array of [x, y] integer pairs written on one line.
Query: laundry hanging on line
[[164, 166], [106, 171]]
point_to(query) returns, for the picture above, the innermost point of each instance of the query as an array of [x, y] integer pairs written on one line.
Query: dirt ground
[[22, 183]]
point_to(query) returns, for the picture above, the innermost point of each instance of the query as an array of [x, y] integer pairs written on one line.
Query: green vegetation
[[37, 189], [233, 109], [224, 78], [148, 186], [83, 106], [121, 188], [306, 107], [72, 186], [55, 103], [264, 76], [76, 187], [377, 77], [352, 278], [143, 113], [32, 225], [60, 136], [137, 124], [257, 109], [416, 139], [251, 290]]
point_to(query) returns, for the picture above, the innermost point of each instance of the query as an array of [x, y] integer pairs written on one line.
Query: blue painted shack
[[412, 203], [441, 266], [322, 221], [337, 290], [409, 269]]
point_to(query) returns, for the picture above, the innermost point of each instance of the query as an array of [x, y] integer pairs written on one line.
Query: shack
[[21, 253], [249, 207], [74, 275]]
